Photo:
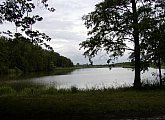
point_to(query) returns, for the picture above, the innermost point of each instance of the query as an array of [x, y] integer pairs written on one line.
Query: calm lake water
[[91, 78]]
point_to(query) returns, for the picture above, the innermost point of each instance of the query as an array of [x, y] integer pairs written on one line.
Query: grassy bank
[[50, 103]]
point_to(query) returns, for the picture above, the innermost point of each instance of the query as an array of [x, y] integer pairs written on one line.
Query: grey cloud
[[67, 35], [52, 25], [66, 28]]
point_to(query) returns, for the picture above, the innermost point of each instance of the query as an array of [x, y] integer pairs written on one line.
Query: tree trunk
[[137, 80], [160, 72]]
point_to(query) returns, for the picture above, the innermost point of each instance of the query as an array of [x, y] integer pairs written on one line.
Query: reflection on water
[[91, 78]]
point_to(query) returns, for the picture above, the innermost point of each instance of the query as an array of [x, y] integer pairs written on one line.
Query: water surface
[[92, 78]]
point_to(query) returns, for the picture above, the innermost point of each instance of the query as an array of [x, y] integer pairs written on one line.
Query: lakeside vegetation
[[120, 64], [38, 102], [22, 56], [109, 26]]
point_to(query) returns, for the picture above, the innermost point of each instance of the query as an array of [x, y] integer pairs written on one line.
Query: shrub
[[7, 91], [50, 91], [30, 92], [74, 89]]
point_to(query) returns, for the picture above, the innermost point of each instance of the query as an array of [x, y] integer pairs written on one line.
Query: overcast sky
[[66, 28]]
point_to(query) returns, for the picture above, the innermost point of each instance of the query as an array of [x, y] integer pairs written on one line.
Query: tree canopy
[[22, 50], [18, 12], [22, 55], [116, 23]]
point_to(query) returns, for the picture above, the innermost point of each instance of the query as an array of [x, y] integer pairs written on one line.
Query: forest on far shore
[[21, 55]]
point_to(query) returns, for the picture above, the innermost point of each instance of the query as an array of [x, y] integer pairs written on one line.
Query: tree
[[22, 50], [18, 12], [117, 22], [154, 46], [22, 55]]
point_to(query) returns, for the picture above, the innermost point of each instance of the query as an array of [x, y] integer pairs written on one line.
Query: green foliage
[[74, 89], [153, 45], [19, 13], [23, 52], [30, 92], [114, 23], [22, 55], [7, 91], [93, 104], [50, 91]]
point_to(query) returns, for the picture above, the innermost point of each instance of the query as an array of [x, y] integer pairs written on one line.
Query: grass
[[38, 102]]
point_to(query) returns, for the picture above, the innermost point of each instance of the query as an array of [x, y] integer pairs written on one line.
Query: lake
[[89, 78]]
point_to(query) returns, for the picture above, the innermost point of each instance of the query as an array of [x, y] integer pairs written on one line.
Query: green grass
[[50, 103]]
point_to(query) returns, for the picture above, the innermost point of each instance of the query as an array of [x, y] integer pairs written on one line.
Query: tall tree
[[137, 81], [117, 22]]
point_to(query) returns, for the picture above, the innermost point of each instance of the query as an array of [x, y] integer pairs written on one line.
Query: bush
[[50, 91], [7, 91], [74, 89], [30, 92]]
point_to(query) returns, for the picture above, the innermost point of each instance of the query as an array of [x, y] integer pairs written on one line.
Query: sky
[[66, 28]]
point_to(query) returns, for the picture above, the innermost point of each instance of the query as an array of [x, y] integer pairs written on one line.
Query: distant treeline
[[123, 64], [21, 55], [131, 65]]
